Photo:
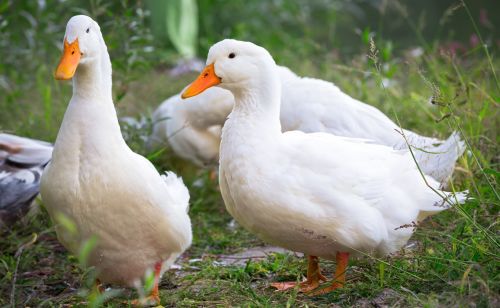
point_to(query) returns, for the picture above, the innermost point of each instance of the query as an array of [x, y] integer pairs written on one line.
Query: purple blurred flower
[[474, 40], [453, 48], [484, 20]]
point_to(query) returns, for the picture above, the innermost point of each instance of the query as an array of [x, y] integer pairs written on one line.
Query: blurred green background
[[141, 36]]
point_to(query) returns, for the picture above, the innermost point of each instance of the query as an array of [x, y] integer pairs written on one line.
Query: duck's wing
[[435, 157], [31, 156], [165, 191], [21, 165], [359, 168], [177, 188], [23, 151], [18, 189], [313, 105]]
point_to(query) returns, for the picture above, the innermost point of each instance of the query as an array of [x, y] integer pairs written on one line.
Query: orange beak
[[206, 80], [69, 61]]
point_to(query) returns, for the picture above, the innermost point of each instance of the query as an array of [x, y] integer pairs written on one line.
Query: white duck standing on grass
[[327, 196], [139, 217], [309, 105]]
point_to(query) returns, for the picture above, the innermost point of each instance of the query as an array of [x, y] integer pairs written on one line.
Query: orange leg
[[212, 175], [339, 278], [98, 286], [154, 297], [312, 282], [155, 293]]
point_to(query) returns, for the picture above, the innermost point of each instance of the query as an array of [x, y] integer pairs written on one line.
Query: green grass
[[452, 262], [453, 257]]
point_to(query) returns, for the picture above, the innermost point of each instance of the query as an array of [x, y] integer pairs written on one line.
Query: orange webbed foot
[[339, 278], [151, 300], [304, 286], [154, 298], [314, 277], [326, 290]]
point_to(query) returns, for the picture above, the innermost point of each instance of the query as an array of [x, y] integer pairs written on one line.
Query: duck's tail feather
[[458, 197], [437, 159], [177, 189], [448, 200]]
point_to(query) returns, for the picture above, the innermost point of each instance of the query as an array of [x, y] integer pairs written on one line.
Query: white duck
[[21, 165], [309, 105], [193, 127], [320, 194], [138, 216]]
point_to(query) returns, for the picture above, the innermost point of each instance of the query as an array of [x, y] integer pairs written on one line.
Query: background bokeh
[[141, 36]]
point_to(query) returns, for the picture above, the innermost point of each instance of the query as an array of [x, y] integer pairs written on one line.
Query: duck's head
[[82, 44], [233, 65]]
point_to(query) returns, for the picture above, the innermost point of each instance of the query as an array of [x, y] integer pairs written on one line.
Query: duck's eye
[[88, 30], [232, 55]]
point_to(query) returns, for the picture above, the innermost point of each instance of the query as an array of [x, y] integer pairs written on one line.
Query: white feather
[[105, 189], [314, 193], [309, 105]]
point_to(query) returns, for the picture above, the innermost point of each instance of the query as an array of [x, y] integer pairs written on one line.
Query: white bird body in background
[[307, 104], [192, 127]]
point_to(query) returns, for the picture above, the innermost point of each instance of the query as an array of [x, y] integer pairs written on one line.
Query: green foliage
[[182, 26], [31, 34], [452, 260]]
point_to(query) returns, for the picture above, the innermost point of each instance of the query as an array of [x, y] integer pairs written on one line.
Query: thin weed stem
[[485, 47], [446, 199]]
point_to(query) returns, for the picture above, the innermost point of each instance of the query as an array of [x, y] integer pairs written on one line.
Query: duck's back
[[330, 110]]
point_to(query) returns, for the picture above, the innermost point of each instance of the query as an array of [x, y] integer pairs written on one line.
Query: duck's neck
[[93, 80], [258, 106], [90, 123]]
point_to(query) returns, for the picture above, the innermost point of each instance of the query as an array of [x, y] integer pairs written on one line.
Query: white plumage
[[320, 106], [192, 127], [138, 216], [307, 104], [315, 193]]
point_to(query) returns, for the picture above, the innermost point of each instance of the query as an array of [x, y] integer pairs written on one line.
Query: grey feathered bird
[[22, 161]]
